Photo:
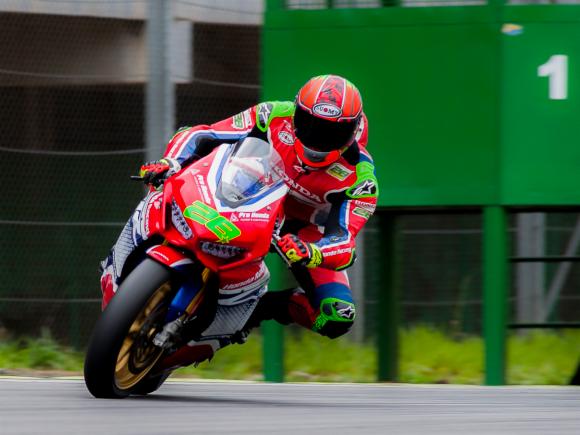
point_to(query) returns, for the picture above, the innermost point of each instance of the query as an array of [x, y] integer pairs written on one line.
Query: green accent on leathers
[[266, 112], [366, 184]]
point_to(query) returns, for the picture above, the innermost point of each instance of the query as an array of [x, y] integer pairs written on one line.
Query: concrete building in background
[[73, 84], [105, 41]]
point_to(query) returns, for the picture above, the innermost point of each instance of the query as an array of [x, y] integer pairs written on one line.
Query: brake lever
[[156, 184]]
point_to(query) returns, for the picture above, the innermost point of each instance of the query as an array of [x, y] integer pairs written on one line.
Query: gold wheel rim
[[126, 378]]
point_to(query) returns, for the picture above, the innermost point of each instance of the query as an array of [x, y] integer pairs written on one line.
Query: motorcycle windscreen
[[251, 171]]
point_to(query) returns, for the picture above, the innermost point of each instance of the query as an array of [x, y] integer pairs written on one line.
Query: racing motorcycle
[[217, 215]]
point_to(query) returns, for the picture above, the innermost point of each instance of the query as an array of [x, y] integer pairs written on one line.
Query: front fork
[[188, 297], [182, 308]]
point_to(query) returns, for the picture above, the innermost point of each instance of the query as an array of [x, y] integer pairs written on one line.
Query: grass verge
[[427, 356]]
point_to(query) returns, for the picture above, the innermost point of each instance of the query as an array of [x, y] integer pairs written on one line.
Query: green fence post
[[273, 351], [273, 332], [495, 283], [388, 312]]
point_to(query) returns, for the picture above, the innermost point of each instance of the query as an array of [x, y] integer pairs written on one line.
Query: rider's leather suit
[[327, 206]]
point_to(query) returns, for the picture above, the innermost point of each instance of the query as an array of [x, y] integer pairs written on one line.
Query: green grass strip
[[428, 355]]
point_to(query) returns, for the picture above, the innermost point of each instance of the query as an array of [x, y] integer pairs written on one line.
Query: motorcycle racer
[[322, 138]]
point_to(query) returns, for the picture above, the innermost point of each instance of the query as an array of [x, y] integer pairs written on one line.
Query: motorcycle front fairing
[[184, 295], [221, 212], [224, 207]]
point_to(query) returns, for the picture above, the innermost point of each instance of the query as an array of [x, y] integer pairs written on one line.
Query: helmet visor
[[322, 135]]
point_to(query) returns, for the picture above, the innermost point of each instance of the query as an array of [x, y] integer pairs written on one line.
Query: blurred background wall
[[73, 79]]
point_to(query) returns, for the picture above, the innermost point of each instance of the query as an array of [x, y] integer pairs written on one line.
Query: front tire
[[121, 354], [150, 384]]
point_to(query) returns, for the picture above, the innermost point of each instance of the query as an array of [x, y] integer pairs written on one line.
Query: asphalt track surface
[[36, 406]]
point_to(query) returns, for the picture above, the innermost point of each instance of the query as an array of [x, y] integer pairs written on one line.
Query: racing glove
[[299, 252], [157, 171]]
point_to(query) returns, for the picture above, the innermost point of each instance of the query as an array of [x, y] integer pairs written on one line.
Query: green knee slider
[[335, 318]]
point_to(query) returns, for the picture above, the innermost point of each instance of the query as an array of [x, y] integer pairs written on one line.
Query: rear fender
[[170, 257]]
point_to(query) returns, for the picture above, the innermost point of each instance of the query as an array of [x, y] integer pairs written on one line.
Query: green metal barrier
[[471, 106]]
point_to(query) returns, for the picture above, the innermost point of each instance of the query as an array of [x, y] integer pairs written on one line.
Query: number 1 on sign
[[557, 70]]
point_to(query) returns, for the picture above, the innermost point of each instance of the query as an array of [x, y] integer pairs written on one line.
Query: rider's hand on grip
[[297, 251], [157, 171]]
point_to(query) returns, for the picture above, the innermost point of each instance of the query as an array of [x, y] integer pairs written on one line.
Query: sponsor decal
[[238, 122], [338, 252], [242, 120], [252, 280], [203, 188], [144, 218], [362, 212], [234, 218], [327, 110], [286, 137], [366, 205], [338, 171], [219, 225], [253, 216], [247, 118], [153, 201]]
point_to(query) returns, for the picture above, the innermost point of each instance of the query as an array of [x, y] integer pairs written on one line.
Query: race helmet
[[328, 113]]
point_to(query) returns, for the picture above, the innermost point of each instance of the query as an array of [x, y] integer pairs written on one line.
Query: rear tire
[[120, 354]]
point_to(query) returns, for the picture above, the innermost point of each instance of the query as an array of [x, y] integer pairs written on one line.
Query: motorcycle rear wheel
[[121, 354]]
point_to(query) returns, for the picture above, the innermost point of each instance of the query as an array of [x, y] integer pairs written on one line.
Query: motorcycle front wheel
[[121, 353]]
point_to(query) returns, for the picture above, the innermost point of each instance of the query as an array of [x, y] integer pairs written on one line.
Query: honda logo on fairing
[[328, 110], [295, 186]]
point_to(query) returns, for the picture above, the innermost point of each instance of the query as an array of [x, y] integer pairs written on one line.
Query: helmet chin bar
[[331, 157], [305, 166]]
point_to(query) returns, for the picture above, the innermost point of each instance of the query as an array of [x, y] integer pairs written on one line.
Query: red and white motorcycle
[[217, 215]]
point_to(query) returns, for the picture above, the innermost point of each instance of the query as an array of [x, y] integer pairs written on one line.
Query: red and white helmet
[[328, 112]]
